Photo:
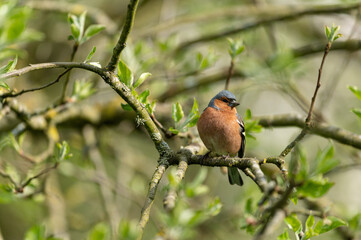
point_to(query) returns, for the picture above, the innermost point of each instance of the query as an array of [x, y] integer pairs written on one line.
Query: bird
[[222, 130]]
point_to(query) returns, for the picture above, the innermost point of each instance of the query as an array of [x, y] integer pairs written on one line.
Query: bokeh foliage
[[91, 159]]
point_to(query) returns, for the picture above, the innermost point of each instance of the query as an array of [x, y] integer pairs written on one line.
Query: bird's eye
[[225, 100]]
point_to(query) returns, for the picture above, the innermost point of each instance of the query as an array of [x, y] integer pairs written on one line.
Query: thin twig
[[11, 94], [28, 181], [230, 73], [153, 185], [65, 87], [304, 131], [166, 132], [278, 205], [318, 85]]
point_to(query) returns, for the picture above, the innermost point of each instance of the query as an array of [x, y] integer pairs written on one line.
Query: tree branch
[[267, 20], [171, 196], [41, 66], [106, 191], [349, 45], [153, 185], [129, 20], [321, 129], [247, 12]]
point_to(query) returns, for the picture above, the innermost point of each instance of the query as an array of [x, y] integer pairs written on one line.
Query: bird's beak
[[233, 104]]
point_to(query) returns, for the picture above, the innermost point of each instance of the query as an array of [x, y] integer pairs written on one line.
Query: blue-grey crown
[[223, 93]]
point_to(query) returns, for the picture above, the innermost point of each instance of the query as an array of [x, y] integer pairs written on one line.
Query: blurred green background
[[105, 182]]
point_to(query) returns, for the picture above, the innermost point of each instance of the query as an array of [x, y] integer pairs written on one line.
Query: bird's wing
[[243, 136]]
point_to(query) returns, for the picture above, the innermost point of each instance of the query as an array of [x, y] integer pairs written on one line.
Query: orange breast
[[220, 131]]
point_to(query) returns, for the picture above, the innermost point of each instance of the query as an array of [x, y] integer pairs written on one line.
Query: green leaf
[[101, 231], [293, 222], [128, 230], [284, 236], [151, 107], [202, 61], [303, 171], [355, 222], [249, 209], [355, 91], [251, 126], [143, 96], [82, 89], [315, 187], [309, 227], [14, 143], [331, 33], [90, 55], [5, 141], [214, 207], [192, 117], [328, 31], [16, 27], [318, 227], [126, 107], [124, 74], [6, 194], [294, 198], [177, 112], [82, 23], [63, 153], [357, 111], [75, 31], [173, 130], [248, 114], [77, 25], [35, 233], [9, 67], [329, 224], [91, 31], [236, 47], [5, 85], [193, 218], [325, 161], [72, 19], [196, 187], [141, 79]]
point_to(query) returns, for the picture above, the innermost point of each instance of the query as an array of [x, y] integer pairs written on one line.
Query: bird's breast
[[220, 131]]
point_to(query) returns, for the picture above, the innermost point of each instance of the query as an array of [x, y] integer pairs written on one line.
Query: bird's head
[[224, 100]]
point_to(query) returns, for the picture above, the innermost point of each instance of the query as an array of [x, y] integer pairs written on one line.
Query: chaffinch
[[222, 130]]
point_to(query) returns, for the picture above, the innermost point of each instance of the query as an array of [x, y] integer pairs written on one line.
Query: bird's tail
[[234, 176]]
